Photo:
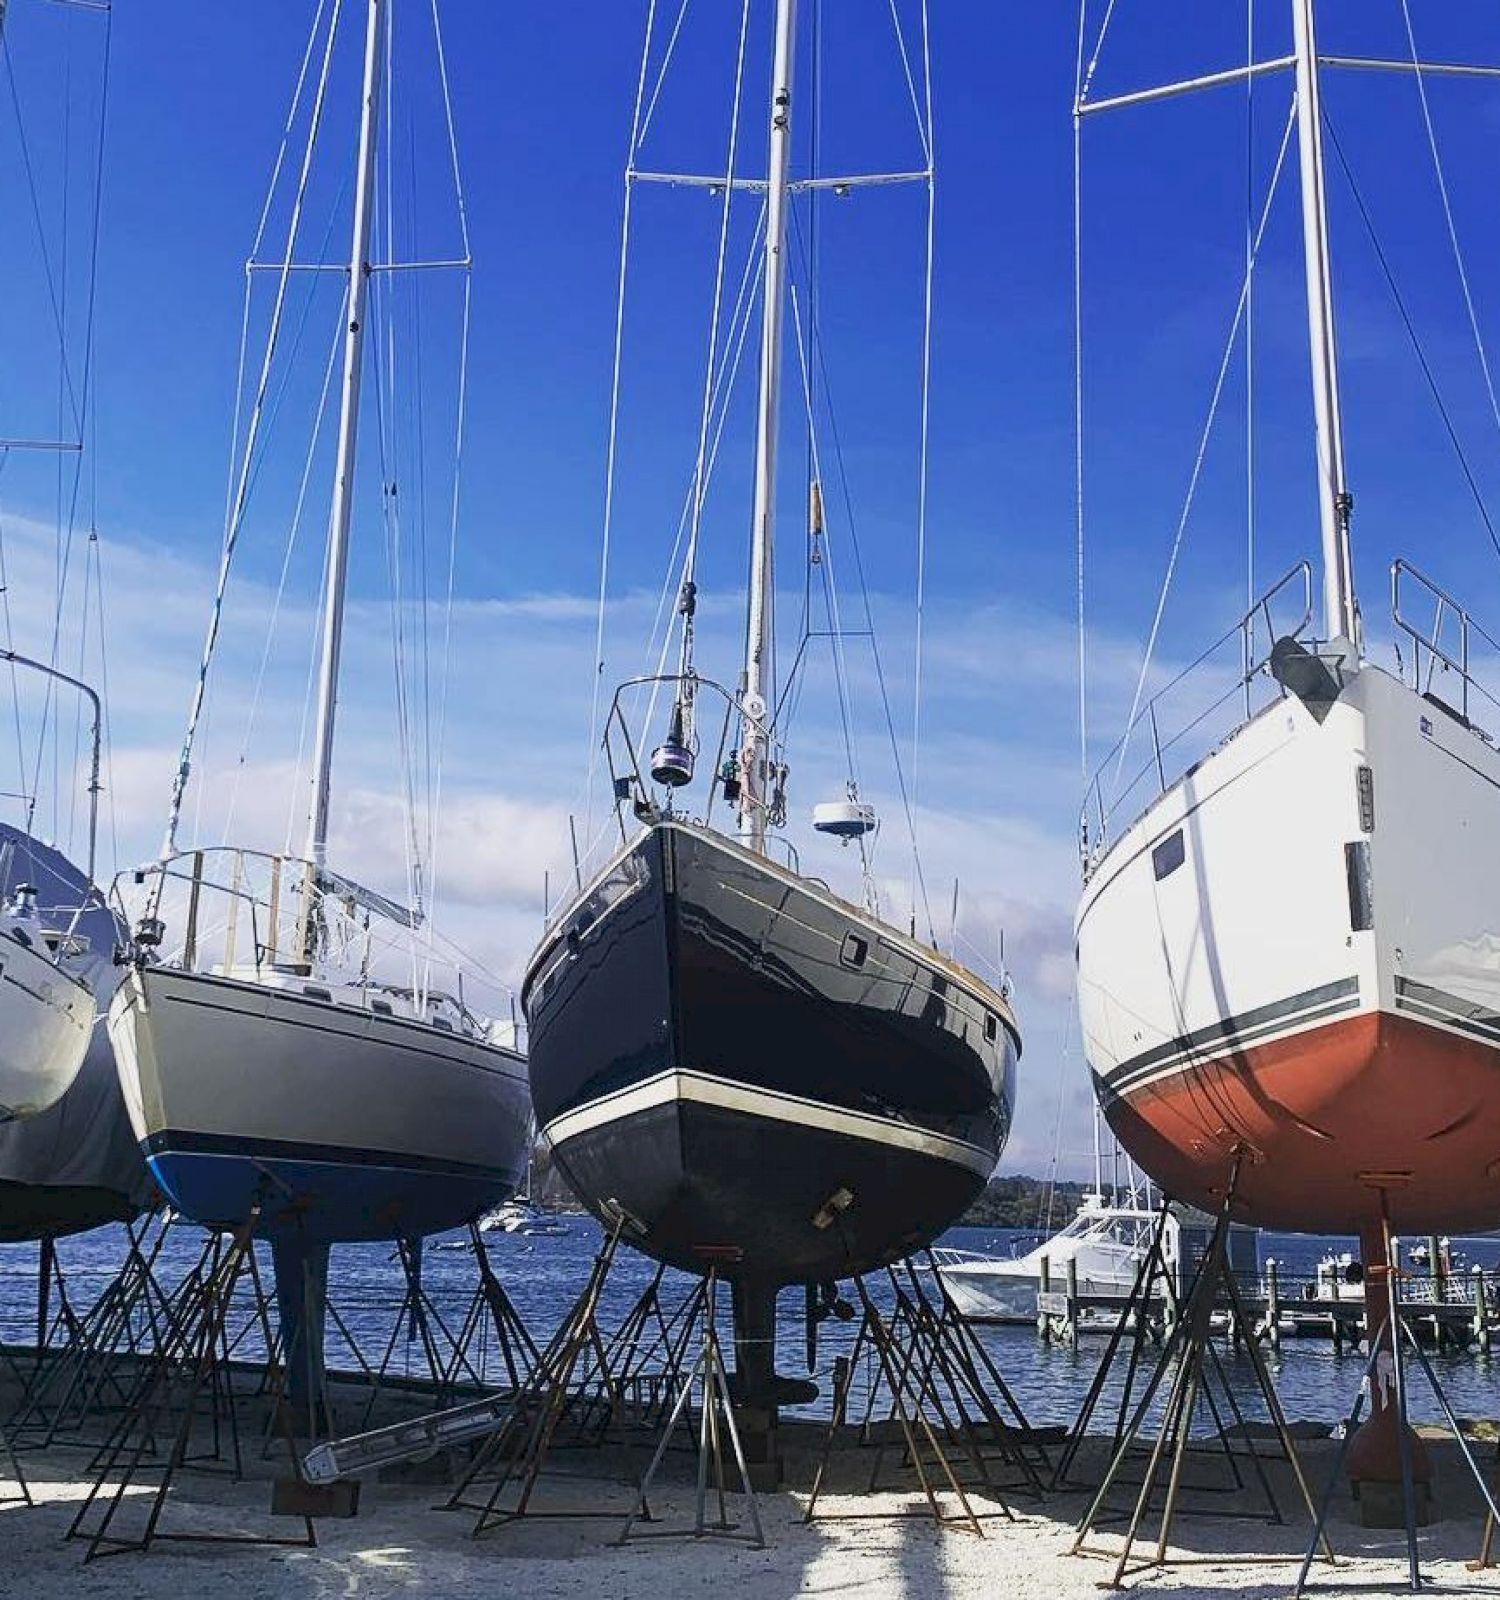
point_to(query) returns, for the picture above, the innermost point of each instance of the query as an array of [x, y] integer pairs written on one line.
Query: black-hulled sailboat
[[727, 1059]]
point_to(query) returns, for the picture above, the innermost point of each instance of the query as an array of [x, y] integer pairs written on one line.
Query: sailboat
[[67, 1157], [48, 970], [1288, 969], [731, 1063], [275, 1064]]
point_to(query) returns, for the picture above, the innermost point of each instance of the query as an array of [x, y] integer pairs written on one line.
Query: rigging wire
[[695, 524], [1086, 65], [1416, 343], [661, 76], [1419, 75], [830, 598], [741, 317], [459, 422], [294, 526], [235, 519], [846, 492], [925, 429], [1201, 454], [1250, 456], [611, 447]]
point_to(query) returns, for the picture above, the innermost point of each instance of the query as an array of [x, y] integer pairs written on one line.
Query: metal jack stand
[[715, 1419], [1152, 1279], [445, 1357], [95, 1370], [189, 1369], [1190, 1357], [988, 1411], [1390, 1340], [22, 1496], [913, 1377], [491, 1313], [522, 1432]]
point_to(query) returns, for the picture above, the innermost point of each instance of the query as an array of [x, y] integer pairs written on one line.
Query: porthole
[[1168, 855], [854, 950]]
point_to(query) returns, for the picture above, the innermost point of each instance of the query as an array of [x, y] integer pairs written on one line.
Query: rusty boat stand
[[1191, 1372], [1383, 1453]]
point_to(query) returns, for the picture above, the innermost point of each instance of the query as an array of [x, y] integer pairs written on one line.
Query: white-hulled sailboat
[[269, 1057]]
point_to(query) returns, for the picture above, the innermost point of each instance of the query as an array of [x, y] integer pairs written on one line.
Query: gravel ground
[[401, 1545]]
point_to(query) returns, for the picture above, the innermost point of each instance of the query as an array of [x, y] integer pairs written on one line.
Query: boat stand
[[1197, 1377], [647, 1355], [453, 1361], [22, 1494], [187, 1380], [576, 1363], [987, 1407], [922, 1387], [715, 1421], [91, 1363], [493, 1324], [1390, 1340], [1153, 1282]]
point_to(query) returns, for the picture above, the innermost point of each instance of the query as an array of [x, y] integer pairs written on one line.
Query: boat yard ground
[[400, 1545]]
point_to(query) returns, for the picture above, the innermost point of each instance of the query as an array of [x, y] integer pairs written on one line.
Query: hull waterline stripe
[[1448, 1010], [170, 1142], [1340, 995], [1231, 1045], [724, 1094]]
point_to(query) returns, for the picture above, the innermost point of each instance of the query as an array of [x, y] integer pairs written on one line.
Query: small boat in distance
[[521, 1215]]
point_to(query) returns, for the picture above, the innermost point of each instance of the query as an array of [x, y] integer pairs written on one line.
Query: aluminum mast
[[759, 668], [1340, 612], [343, 482]]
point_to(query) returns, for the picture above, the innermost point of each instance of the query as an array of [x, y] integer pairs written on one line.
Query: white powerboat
[[1107, 1243]]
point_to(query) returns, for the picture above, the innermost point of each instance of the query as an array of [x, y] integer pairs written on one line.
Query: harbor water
[[543, 1276]]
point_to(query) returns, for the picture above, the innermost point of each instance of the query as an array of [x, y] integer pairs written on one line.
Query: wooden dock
[[1446, 1311]]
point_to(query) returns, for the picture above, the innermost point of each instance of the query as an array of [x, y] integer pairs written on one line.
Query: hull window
[[1361, 898], [1168, 855], [854, 950], [991, 1026], [313, 992], [1364, 787]]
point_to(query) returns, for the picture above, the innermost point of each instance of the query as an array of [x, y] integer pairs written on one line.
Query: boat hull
[[757, 1075], [1289, 970], [46, 1018], [340, 1123], [75, 1165]]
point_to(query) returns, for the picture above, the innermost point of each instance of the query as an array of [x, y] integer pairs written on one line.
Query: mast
[[1340, 612], [759, 680], [343, 481]]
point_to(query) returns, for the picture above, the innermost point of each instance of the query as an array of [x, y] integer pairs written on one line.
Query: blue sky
[[542, 95]]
